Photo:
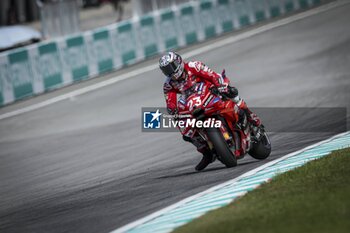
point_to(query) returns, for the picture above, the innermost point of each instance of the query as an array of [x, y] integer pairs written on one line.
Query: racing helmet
[[172, 65]]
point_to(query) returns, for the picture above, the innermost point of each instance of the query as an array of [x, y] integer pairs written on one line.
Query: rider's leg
[[252, 117], [202, 147]]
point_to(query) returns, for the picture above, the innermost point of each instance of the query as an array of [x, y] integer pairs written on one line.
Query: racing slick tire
[[261, 149], [222, 150]]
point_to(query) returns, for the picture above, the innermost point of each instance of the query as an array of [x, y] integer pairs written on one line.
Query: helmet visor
[[173, 69]]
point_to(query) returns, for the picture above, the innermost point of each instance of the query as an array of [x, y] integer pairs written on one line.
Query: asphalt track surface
[[83, 165]]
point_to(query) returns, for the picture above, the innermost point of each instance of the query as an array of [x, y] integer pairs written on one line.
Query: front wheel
[[222, 149], [261, 149]]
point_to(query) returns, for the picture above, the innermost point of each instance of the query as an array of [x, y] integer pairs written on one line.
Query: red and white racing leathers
[[195, 71]]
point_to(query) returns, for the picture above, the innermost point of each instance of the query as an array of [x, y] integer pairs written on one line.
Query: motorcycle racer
[[181, 78]]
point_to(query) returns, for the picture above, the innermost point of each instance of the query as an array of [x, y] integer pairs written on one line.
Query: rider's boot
[[207, 158], [202, 147], [251, 117]]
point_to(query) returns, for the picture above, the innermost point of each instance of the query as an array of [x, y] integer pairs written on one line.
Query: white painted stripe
[[208, 202], [140, 222], [283, 166], [189, 212], [253, 183], [195, 52], [302, 159], [227, 192]]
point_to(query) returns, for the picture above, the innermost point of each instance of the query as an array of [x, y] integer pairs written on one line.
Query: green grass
[[312, 198]]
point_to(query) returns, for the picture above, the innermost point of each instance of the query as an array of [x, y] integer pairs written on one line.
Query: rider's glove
[[233, 92], [228, 91], [223, 89]]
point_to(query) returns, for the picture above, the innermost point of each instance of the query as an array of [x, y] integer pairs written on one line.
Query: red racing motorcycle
[[228, 134]]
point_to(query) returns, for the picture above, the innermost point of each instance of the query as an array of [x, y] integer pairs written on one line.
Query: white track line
[[210, 190], [195, 52]]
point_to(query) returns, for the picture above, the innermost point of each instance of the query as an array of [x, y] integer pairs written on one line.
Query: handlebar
[[215, 91], [232, 92]]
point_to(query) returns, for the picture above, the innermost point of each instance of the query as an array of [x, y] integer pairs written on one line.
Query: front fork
[[239, 140]]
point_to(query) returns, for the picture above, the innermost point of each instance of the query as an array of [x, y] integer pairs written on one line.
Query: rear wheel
[[223, 151], [261, 149]]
